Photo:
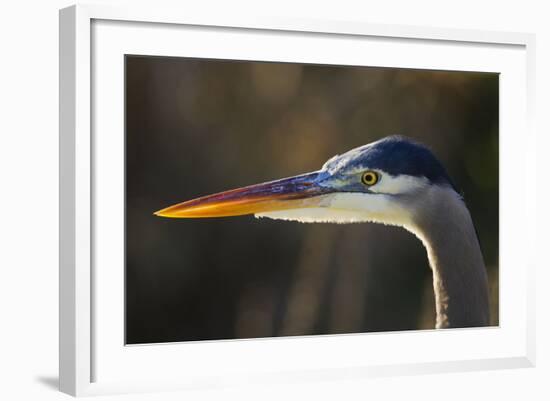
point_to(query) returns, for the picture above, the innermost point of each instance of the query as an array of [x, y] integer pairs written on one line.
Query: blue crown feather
[[396, 155]]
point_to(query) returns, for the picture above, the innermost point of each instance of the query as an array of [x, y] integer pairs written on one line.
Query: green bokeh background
[[196, 126]]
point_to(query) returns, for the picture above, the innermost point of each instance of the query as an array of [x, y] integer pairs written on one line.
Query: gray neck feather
[[445, 227]]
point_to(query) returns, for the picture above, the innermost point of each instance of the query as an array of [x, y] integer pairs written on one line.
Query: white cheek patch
[[388, 184], [398, 185], [347, 208]]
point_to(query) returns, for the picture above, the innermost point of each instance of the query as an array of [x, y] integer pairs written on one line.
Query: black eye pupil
[[370, 178]]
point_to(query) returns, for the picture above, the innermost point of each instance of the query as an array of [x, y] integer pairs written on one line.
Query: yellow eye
[[369, 178]]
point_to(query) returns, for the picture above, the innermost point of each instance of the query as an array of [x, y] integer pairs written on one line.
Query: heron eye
[[369, 178]]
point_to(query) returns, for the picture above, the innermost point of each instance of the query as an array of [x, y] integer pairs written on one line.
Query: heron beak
[[289, 193]]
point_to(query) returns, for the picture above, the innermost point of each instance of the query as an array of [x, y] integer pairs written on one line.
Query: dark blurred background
[[195, 127]]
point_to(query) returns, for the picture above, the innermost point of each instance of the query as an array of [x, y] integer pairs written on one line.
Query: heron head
[[381, 182]]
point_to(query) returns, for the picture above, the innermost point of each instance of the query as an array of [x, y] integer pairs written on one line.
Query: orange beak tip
[[161, 213]]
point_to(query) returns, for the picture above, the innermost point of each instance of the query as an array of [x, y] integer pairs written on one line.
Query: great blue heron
[[393, 181]]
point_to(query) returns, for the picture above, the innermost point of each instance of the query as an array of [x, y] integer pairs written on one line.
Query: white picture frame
[[84, 349]]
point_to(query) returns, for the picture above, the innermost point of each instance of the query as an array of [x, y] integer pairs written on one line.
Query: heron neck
[[459, 276]]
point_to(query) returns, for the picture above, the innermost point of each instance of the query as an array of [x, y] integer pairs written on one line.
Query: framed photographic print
[[267, 200]]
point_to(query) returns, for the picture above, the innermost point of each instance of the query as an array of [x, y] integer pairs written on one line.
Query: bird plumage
[[396, 155]]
